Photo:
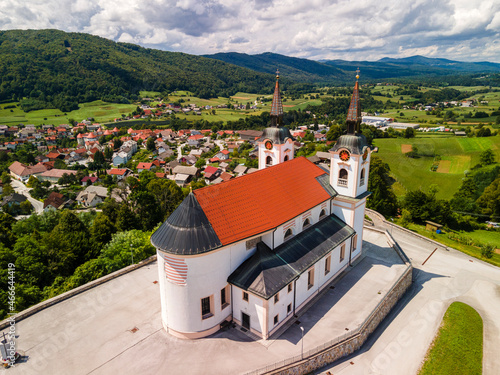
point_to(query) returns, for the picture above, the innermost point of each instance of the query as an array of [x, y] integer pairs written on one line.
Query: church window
[[276, 298], [354, 243], [224, 297], [245, 296], [206, 307], [276, 319], [286, 158], [269, 161], [328, 261], [307, 222], [342, 252], [310, 278], [322, 213], [288, 233], [342, 177], [290, 287], [289, 308], [362, 178]]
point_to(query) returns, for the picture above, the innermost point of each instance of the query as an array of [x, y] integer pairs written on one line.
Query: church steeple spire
[[276, 106], [354, 114]]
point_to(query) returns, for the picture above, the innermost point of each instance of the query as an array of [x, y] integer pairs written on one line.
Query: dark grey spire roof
[[278, 135], [355, 143], [187, 231]]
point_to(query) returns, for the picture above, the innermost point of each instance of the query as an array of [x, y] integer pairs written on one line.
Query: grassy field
[[99, 110], [457, 155], [458, 346], [478, 235]]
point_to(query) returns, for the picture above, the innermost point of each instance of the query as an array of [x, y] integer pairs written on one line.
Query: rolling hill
[[52, 68], [339, 71]]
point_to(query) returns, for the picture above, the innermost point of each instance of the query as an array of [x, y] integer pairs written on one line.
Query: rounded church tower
[[190, 271]]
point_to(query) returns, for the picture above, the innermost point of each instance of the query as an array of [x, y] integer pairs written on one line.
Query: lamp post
[[302, 340]]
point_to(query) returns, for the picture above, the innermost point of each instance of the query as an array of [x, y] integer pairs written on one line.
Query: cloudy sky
[[466, 30]]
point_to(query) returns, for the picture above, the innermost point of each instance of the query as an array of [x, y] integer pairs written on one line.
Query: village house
[[53, 175], [92, 196], [120, 173], [23, 172]]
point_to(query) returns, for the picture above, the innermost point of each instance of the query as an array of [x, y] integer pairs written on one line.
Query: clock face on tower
[[269, 145], [344, 155], [365, 154]]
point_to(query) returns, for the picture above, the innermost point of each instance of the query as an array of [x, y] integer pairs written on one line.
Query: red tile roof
[[146, 166], [258, 202], [210, 169]]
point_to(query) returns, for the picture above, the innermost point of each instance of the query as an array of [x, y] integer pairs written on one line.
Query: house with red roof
[[223, 154], [255, 250], [144, 167], [22, 172]]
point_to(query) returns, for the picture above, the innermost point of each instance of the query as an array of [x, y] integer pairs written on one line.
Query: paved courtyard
[[400, 343], [115, 328]]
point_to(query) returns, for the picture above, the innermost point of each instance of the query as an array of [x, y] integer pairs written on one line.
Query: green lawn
[[457, 156], [458, 346], [481, 236]]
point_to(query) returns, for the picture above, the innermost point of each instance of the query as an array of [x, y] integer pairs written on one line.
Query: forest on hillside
[[55, 69]]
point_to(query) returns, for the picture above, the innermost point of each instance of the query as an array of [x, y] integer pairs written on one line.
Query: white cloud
[[347, 29]]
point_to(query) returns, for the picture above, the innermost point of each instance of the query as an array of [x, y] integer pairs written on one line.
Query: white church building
[[256, 249]]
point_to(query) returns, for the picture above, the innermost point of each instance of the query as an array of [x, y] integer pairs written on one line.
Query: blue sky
[[465, 30]]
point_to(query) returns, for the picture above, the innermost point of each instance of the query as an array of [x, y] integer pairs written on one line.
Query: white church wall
[[254, 308], [280, 308]]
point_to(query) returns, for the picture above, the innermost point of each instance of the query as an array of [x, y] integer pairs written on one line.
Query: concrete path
[[399, 345]]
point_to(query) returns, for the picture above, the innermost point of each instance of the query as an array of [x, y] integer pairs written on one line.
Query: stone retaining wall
[[353, 343]]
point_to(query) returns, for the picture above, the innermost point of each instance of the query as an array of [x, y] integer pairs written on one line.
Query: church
[[256, 249]]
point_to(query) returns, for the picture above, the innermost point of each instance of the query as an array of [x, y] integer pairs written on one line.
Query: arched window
[[286, 158], [288, 233], [362, 178], [342, 177], [269, 161], [307, 222], [322, 213]]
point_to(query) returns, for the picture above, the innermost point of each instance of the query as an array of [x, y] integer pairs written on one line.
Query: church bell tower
[[276, 144], [349, 169]]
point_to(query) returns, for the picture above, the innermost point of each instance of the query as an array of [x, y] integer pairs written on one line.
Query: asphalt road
[[21, 188], [400, 343]]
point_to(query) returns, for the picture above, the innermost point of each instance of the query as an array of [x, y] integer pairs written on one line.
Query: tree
[[201, 162], [102, 230], [409, 133], [68, 244], [383, 199], [119, 251], [7, 236], [150, 144], [489, 201], [6, 179], [487, 157], [126, 219], [108, 153], [59, 164], [334, 133]]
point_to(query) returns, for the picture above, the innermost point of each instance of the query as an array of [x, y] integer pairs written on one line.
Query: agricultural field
[[456, 155], [99, 110]]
